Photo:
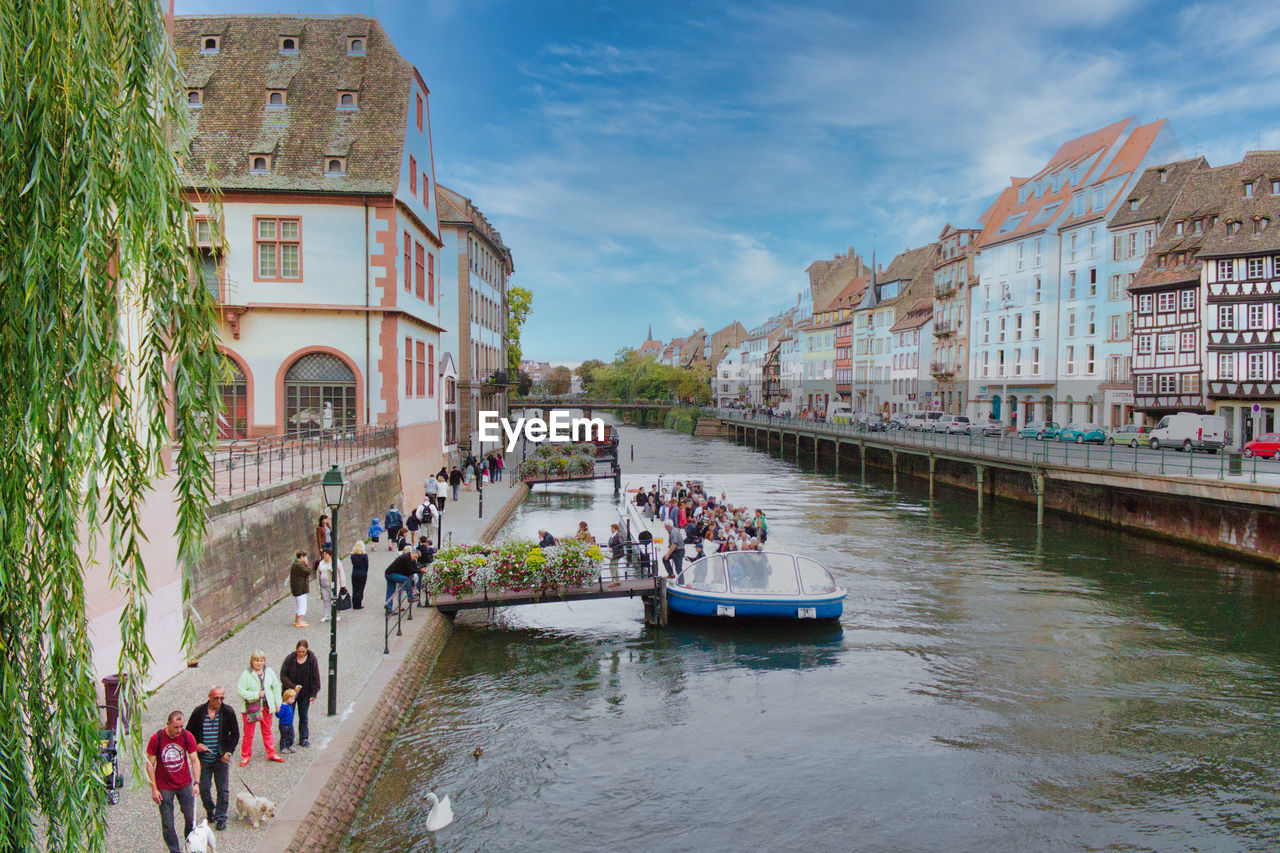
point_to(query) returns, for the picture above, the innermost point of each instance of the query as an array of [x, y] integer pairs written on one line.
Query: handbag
[[344, 599], [253, 710]]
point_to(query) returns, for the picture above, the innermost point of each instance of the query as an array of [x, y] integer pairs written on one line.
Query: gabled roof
[[455, 209], [917, 315], [1008, 218], [1155, 192], [1175, 258], [233, 121], [1262, 168]]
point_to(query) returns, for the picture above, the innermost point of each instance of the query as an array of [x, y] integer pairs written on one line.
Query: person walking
[[455, 480], [171, 770], [400, 571], [216, 731], [359, 574], [259, 689], [501, 464], [301, 671], [432, 489], [442, 489], [615, 551], [393, 522], [331, 578], [299, 583]]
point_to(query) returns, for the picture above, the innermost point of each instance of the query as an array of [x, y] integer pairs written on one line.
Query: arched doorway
[[995, 407], [1013, 410], [319, 395], [1047, 402], [1070, 416], [233, 420]]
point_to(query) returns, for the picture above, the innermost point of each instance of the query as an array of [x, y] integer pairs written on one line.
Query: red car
[[1266, 445]]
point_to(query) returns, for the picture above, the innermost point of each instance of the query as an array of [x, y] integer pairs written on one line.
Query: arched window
[[233, 421], [319, 395]]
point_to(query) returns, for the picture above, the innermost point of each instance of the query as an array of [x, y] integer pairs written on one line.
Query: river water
[[988, 688]]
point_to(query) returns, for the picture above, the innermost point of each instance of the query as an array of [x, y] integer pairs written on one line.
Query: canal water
[[988, 688]]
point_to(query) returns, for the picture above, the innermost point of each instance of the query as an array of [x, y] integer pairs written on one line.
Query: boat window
[[814, 579], [706, 575], [760, 573]]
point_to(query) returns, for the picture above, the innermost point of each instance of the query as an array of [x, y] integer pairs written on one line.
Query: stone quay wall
[[251, 540]]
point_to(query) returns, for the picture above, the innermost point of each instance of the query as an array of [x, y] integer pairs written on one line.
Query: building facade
[[323, 250], [476, 270], [1241, 298], [953, 277]]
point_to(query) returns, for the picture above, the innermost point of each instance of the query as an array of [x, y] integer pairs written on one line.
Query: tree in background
[[587, 371], [519, 307], [106, 336], [524, 382], [636, 377], [559, 380]]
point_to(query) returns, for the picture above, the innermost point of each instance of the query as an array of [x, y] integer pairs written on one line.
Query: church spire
[[650, 333]]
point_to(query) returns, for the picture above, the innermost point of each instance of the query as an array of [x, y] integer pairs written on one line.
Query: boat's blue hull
[[696, 603]]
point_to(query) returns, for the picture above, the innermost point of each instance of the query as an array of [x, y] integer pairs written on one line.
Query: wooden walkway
[[626, 588]]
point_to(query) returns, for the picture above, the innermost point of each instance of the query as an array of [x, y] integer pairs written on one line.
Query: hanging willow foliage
[[102, 322]]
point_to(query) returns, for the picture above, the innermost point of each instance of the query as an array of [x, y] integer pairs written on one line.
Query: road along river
[[988, 688]]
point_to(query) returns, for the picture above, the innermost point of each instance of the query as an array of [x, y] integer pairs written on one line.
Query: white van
[[917, 421], [839, 412], [1189, 431]]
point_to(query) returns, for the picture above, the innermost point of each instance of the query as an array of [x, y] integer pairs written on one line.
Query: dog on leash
[[254, 809], [201, 839]]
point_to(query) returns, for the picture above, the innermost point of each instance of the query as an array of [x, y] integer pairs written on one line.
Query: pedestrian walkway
[[134, 823]]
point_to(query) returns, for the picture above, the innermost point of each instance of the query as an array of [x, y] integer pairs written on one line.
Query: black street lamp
[[333, 486]]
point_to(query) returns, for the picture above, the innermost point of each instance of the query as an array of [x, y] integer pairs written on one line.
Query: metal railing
[[1168, 460], [244, 465], [403, 607]]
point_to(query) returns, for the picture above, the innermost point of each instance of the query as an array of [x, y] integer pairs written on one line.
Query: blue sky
[[681, 164]]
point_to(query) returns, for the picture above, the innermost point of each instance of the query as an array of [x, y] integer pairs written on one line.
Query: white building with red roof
[[1040, 315]]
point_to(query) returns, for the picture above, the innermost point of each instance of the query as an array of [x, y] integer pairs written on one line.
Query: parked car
[[898, 421], [1040, 430], [989, 426], [1190, 431], [1266, 445], [872, 422], [916, 421], [1082, 433], [959, 425], [1131, 435], [931, 422]]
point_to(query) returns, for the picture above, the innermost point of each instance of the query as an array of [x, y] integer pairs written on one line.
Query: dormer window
[[1275, 187], [1178, 228], [210, 44], [277, 98], [1248, 189], [348, 100], [1133, 204], [355, 46], [195, 97], [260, 164], [1233, 227], [288, 44], [335, 166], [1162, 176], [1196, 225], [1260, 224]]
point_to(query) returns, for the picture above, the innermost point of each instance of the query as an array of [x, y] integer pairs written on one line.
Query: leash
[[246, 786]]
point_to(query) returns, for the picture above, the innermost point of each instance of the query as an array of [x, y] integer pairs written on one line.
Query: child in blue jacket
[[375, 529]]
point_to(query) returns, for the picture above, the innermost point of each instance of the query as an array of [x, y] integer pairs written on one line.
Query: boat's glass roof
[[757, 573]]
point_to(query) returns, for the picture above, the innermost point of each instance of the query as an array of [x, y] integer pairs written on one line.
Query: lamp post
[[333, 485]]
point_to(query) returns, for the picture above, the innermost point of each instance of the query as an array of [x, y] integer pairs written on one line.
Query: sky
[[680, 164]]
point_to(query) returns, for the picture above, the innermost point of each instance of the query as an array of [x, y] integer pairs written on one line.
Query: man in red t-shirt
[[171, 769]]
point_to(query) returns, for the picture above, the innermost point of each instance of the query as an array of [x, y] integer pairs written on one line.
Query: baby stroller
[[640, 555], [109, 766]]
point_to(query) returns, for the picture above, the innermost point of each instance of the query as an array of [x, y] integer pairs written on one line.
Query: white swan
[[441, 814]]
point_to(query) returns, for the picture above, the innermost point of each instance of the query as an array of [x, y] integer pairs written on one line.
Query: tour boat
[[756, 584]]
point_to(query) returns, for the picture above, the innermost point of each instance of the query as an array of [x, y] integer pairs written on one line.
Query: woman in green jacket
[[259, 689]]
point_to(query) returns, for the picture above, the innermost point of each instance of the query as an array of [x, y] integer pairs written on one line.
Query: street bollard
[[1111, 455]]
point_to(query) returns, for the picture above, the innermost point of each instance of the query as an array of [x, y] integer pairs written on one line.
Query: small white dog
[[201, 839], [254, 809]]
